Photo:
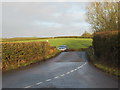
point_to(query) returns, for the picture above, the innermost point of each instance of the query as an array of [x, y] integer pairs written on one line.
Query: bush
[[15, 55], [106, 47]]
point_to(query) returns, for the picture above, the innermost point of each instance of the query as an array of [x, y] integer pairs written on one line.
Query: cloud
[[47, 24], [43, 19], [51, 0]]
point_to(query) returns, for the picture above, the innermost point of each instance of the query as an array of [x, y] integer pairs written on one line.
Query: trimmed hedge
[[15, 55], [106, 47]]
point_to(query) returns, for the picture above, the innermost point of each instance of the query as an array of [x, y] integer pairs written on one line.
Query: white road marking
[[27, 87], [56, 77], [62, 75], [71, 70], [48, 80], [82, 65], [39, 83], [68, 73], [78, 67], [75, 69]]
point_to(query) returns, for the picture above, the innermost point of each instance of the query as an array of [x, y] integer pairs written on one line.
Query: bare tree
[[103, 16]]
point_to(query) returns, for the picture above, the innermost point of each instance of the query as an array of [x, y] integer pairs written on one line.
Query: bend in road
[[67, 70]]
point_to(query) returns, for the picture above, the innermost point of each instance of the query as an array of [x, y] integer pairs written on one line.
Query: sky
[[44, 19]]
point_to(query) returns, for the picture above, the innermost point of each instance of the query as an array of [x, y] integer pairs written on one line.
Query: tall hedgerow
[[15, 55], [106, 47]]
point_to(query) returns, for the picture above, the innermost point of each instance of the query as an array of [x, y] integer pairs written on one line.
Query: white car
[[62, 48]]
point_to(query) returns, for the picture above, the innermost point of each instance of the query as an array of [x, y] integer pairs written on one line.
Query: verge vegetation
[[16, 54], [105, 52]]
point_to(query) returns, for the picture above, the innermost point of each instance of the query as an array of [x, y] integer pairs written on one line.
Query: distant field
[[74, 43]]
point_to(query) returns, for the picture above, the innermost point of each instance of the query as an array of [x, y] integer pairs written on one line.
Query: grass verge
[[102, 65]]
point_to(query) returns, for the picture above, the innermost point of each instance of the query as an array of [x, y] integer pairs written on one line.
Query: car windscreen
[[62, 46]]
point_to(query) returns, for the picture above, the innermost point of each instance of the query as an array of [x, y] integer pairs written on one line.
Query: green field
[[72, 43]]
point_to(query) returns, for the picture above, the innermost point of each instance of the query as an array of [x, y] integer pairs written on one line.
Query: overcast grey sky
[[39, 19]]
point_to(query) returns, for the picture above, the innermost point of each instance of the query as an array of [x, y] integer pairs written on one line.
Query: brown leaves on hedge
[[16, 54]]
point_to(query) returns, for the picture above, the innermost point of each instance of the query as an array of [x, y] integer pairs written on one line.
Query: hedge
[[17, 54], [106, 47]]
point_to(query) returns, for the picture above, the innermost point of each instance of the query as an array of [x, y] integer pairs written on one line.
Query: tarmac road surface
[[67, 70]]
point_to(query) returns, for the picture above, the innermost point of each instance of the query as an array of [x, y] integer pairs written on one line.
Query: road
[[67, 70]]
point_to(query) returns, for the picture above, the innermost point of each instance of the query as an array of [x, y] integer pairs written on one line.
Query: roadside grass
[[102, 65], [72, 43]]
